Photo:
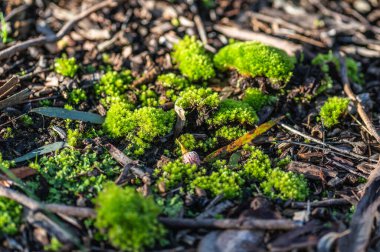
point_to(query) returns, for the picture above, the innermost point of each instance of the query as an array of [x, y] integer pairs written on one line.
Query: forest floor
[[317, 190]]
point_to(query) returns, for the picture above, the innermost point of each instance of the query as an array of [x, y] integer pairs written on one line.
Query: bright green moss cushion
[[256, 59]]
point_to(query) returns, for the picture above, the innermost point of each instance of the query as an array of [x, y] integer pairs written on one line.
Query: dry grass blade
[[247, 138], [347, 89], [15, 99], [8, 87]]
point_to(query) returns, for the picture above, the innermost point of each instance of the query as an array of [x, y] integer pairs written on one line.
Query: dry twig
[[9, 52], [347, 89]]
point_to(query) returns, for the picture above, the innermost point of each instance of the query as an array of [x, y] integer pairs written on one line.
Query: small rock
[[362, 6]]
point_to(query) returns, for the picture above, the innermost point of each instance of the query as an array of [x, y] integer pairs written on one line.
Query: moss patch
[[332, 110], [256, 59]]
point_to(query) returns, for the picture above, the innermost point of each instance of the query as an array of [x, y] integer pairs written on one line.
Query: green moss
[[230, 133], [203, 100], [130, 220], [333, 109], [54, 245], [353, 72], [256, 59], [77, 96], [73, 137], [257, 99], [140, 127], [258, 164], [71, 173], [188, 141], [233, 111], [148, 97], [11, 211], [66, 67], [285, 185], [10, 217], [27, 120], [171, 80], [193, 60], [222, 180], [176, 173], [113, 85]]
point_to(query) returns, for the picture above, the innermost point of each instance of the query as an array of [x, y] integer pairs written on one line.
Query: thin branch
[[9, 52], [247, 223], [82, 212], [349, 153], [347, 89]]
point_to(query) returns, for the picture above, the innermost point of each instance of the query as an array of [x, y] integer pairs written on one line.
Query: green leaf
[[42, 150], [69, 114]]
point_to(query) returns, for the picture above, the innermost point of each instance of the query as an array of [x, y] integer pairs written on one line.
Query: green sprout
[[66, 67], [140, 127], [255, 59], [193, 60], [332, 110], [27, 120], [77, 96], [4, 29], [129, 219]]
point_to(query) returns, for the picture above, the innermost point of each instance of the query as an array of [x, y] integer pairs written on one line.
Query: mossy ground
[[140, 121]]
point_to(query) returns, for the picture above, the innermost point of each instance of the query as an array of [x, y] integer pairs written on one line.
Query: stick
[[9, 52], [350, 153], [247, 223], [347, 89], [82, 212]]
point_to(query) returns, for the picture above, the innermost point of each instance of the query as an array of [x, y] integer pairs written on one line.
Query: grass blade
[[42, 150], [247, 138], [69, 114]]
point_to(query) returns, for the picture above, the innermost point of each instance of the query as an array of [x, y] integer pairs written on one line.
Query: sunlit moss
[[333, 109]]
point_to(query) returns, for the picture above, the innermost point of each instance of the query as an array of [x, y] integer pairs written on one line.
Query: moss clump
[[77, 96], [333, 109], [10, 217], [257, 99], [113, 85], [171, 80], [285, 185], [230, 133], [323, 60], [256, 59], [233, 111], [73, 137], [193, 60], [71, 173], [130, 220], [66, 67], [176, 173], [140, 127], [148, 97], [203, 100], [222, 180], [258, 164]]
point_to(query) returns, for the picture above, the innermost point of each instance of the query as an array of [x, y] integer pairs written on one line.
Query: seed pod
[[189, 157]]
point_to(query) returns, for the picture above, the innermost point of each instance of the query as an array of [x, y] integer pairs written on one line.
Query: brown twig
[[322, 203], [9, 52], [82, 212], [349, 153], [347, 89], [247, 223]]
